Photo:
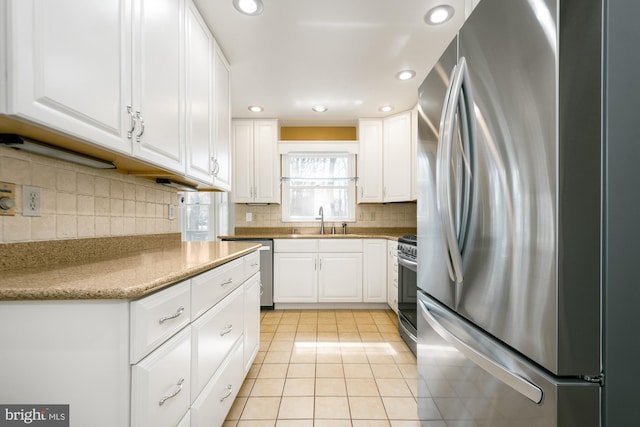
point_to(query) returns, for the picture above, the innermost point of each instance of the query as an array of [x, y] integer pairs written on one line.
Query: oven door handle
[[407, 262]]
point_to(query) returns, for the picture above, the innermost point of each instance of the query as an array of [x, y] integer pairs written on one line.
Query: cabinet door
[[267, 161], [199, 96], [295, 277], [63, 79], [392, 275], [340, 277], [397, 158], [370, 179], [251, 320], [222, 116], [160, 384], [375, 270], [213, 335], [242, 183], [158, 93]]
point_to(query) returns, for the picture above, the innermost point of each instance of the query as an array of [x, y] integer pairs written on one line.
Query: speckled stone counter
[[127, 275], [313, 233]]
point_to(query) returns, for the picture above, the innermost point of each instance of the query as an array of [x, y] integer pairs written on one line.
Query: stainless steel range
[[407, 290]]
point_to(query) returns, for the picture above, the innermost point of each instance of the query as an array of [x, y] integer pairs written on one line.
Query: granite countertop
[[128, 275], [313, 233]]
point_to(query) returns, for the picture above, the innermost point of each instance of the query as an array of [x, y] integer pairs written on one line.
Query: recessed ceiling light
[[256, 109], [405, 75], [386, 108], [248, 7], [319, 108], [439, 15]]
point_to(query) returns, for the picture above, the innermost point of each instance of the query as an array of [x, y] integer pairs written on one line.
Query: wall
[[81, 202], [392, 215]]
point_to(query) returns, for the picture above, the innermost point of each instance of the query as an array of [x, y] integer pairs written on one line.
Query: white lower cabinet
[[161, 382], [211, 407], [150, 362], [252, 291], [295, 277], [392, 275], [375, 270], [213, 336], [317, 271], [340, 277]]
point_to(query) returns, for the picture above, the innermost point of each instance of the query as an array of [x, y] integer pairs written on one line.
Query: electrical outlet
[[172, 212], [31, 201], [248, 217]]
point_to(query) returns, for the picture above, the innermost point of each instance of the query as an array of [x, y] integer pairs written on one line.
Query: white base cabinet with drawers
[[174, 358]]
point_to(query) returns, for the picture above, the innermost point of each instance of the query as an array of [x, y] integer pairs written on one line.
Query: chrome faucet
[[321, 218]]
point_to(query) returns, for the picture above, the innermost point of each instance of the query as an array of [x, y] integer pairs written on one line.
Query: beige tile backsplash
[[81, 202], [367, 215]]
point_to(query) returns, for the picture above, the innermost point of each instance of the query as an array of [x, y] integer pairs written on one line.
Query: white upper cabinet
[[207, 105], [158, 82], [60, 77], [199, 72], [370, 164], [256, 163], [397, 158], [222, 114], [387, 158]]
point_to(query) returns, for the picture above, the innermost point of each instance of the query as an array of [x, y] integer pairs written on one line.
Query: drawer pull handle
[[255, 264], [228, 390], [173, 316], [226, 330], [174, 394], [227, 282]]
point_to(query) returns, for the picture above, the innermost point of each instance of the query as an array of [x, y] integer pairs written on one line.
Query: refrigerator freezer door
[[432, 268], [467, 377], [530, 255]]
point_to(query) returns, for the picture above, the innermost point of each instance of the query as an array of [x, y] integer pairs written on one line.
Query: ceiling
[[343, 54]]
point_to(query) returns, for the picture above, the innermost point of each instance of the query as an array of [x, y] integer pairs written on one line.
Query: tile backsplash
[[395, 215], [81, 202]]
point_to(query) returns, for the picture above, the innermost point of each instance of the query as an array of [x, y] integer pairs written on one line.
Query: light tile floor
[[328, 368]]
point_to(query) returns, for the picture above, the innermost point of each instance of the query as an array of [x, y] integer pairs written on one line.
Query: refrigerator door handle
[[445, 200], [441, 170], [516, 382]]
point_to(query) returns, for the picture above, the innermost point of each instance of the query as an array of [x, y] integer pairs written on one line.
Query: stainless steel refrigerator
[[517, 218]]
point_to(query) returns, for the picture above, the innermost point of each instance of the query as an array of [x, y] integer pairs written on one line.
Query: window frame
[[349, 187]]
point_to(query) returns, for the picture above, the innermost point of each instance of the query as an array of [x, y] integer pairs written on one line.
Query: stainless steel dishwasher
[[266, 269]]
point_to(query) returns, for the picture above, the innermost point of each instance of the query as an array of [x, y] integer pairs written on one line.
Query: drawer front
[[161, 384], [295, 245], [251, 264], [213, 404], [157, 317], [213, 336], [210, 287], [340, 245]]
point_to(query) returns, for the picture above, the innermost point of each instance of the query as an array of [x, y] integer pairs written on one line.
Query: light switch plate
[[249, 217]]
